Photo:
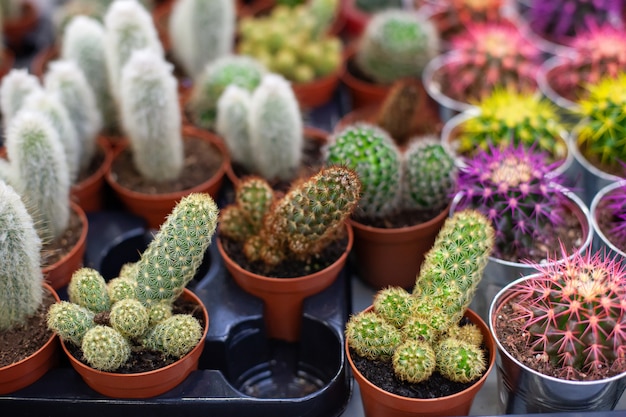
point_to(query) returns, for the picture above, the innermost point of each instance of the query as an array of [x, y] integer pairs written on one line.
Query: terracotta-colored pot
[[355, 19], [385, 257], [89, 193], [59, 273], [379, 403], [283, 297], [15, 30], [363, 93], [144, 384], [155, 207], [7, 62], [39, 63], [319, 91], [25, 372]]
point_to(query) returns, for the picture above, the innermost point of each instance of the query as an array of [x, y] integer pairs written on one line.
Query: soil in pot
[[53, 251], [606, 221], [404, 218]]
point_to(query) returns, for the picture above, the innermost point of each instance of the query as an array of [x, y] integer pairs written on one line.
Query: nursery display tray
[[241, 372]]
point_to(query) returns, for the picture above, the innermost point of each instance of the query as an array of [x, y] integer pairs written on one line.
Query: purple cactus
[[511, 186]]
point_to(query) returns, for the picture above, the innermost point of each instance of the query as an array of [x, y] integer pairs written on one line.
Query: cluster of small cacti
[[290, 42], [421, 177], [486, 56], [396, 44], [601, 137], [139, 305], [298, 225], [511, 186], [418, 332], [573, 314], [512, 117], [256, 125]]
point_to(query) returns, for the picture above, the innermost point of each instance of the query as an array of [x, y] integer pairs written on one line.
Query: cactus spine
[[151, 116], [15, 86]]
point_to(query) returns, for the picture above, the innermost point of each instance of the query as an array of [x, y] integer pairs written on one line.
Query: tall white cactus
[[233, 108], [14, 88]]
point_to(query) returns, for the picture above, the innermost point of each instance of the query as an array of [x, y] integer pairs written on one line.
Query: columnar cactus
[[233, 110], [21, 279], [573, 314], [151, 116], [201, 31], [511, 187], [15, 86], [396, 44]]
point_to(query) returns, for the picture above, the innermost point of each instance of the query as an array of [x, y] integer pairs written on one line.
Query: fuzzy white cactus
[[14, 88], [21, 278], [233, 108], [83, 43], [151, 116], [201, 31]]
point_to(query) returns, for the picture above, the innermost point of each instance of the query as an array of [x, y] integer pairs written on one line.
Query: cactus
[[174, 336], [507, 116], [511, 186], [240, 70], [104, 348], [172, 258], [15, 86], [487, 56], [159, 312], [201, 31], [83, 43], [41, 172], [120, 288], [573, 312], [233, 109], [88, 289], [130, 318], [371, 336], [460, 361], [324, 12], [601, 137], [394, 305], [70, 321], [396, 44], [151, 116], [414, 361], [21, 279]]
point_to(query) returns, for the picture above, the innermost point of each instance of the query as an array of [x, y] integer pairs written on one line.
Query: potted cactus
[[608, 218], [284, 248], [111, 323], [25, 298], [425, 353], [532, 212], [560, 337], [357, 13], [404, 201]]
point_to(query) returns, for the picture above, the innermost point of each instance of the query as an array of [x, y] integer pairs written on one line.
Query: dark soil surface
[[54, 250]]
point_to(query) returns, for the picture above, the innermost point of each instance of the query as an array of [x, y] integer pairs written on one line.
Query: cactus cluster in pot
[[108, 327], [418, 333]]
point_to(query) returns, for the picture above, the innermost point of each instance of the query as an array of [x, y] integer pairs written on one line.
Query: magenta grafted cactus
[[574, 314], [511, 187]]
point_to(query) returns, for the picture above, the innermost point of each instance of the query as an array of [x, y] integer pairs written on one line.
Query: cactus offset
[[104, 348], [70, 321], [460, 361], [393, 304], [88, 289], [174, 336], [414, 361], [15, 86], [120, 288], [371, 336], [130, 318]]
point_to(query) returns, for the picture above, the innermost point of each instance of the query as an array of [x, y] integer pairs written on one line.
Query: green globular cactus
[[175, 336], [130, 318], [88, 289], [21, 279], [420, 327], [373, 155], [67, 81], [151, 116], [70, 321], [121, 288], [276, 129], [49, 105], [129, 271], [469, 333], [371, 336], [104, 348], [394, 305], [233, 108], [128, 27], [41, 175], [240, 70], [460, 361], [396, 44], [414, 361], [172, 258], [159, 312], [83, 43], [201, 31], [429, 175], [15, 86]]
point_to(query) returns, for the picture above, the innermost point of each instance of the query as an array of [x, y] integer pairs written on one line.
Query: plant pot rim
[[603, 192], [543, 80], [582, 160], [403, 229], [502, 297]]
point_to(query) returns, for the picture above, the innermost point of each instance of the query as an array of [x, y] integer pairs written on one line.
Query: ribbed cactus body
[[460, 361], [104, 348], [177, 250], [201, 31], [15, 86], [233, 109], [414, 361], [70, 321], [151, 116], [20, 271], [88, 289], [175, 336], [121, 288]]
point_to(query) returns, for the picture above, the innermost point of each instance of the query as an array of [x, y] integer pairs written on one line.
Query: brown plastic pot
[[363, 93], [89, 193], [16, 29], [283, 297], [59, 273], [380, 403], [144, 384], [319, 91], [25, 372]]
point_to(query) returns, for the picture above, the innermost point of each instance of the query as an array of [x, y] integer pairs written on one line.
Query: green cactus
[[130, 318], [324, 12], [129, 271], [460, 361], [394, 305], [21, 279], [420, 327], [83, 43], [468, 333], [70, 321], [201, 31], [239, 70], [88, 289], [414, 361], [151, 116], [15, 86], [159, 312], [121, 288], [396, 44], [104, 348], [175, 336], [371, 336], [172, 258]]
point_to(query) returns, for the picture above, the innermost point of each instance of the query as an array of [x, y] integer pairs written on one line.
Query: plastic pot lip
[[600, 195], [404, 229], [578, 156], [502, 296], [434, 89], [546, 67]]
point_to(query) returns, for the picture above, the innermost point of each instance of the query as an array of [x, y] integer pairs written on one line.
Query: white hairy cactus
[[233, 108], [14, 88]]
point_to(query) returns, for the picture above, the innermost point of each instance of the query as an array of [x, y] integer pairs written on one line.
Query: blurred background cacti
[[14, 88]]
